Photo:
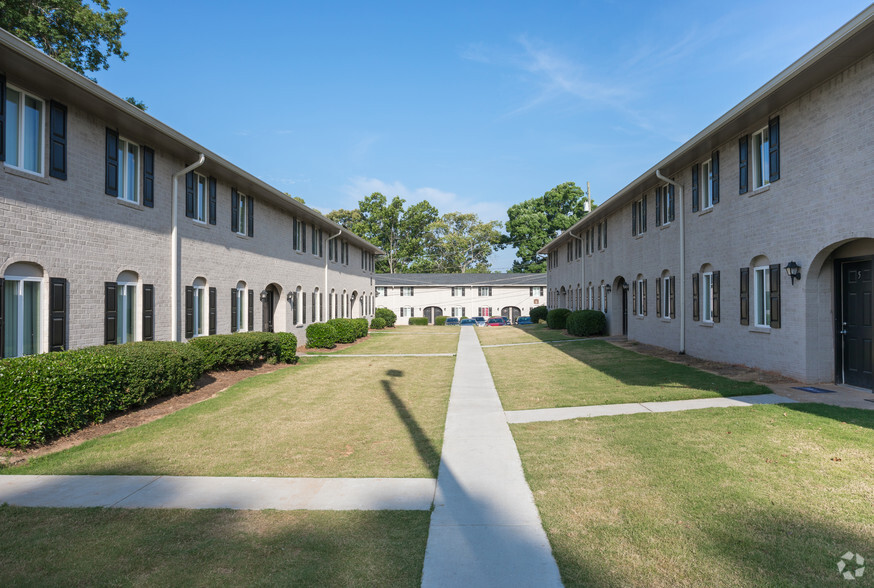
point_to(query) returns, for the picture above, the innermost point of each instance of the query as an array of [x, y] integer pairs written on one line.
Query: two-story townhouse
[[118, 228], [752, 243], [460, 295]]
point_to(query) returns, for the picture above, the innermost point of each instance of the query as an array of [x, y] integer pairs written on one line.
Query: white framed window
[[126, 304], [759, 158], [457, 311], [458, 290], [638, 213], [666, 297], [762, 296], [664, 205], [485, 290], [240, 305], [25, 118], [706, 185], [199, 308], [128, 171], [406, 311], [381, 291], [406, 290], [243, 214], [485, 311], [316, 236], [201, 195], [603, 298], [317, 305], [536, 290], [707, 297], [640, 303], [21, 296]]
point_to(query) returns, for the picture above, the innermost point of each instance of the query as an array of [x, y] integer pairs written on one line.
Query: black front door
[[856, 329], [267, 312]]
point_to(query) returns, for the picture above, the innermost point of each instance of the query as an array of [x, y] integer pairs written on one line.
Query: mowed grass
[[760, 496], [591, 372], [140, 547], [521, 334], [351, 417], [404, 340]]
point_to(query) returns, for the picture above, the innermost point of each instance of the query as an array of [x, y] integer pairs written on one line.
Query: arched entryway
[[432, 312], [511, 313], [618, 321], [562, 298], [270, 297]]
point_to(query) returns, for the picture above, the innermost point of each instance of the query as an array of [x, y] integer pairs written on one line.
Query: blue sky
[[474, 106]]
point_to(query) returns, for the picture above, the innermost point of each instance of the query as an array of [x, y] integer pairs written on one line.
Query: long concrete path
[[485, 528]]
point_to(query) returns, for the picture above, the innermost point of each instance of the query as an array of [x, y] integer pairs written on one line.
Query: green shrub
[[421, 321], [236, 350], [361, 327], [377, 323], [585, 323], [287, 347], [440, 321], [538, 314], [345, 329], [556, 318], [322, 336], [387, 315]]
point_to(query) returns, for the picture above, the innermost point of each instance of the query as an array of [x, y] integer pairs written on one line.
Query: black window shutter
[[212, 201], [633, 299], [148, 312], [212, 313], [774, 148], [671, 284], [148, 177], [250, 209], [57, 314], [110, 315], [658, 297], [57, 140], [314, 317], [251, 298], [658, 199], [111, 163], [2, 288], [303, 307], [599, 236], [321, 244], [695, 189], [189, 312], [695, 298], [744, 295], [643, 214], [605, 234], [714, 170], [2, 128], [774, 275], [644, 298], [670, 211], [743, 156], [189, 194], [235, 210], [295, 235], [715, 303], [233, 310], [303, 237]]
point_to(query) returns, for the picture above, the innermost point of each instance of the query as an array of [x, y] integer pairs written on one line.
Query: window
[[316, 245], [762, 296], [458, 290], [406, 311], [381, 291], [201, 191], [485, 311], [638, 217], [665, 296], [706, 183], [536, 291], [707, 297], [485, 290], [21, 306], [199, 308], [345, 253], [603, 305], [457, 311], [759, 158], [639, 297], [299, 235], [242, 206], [126, 305], [238, 310], [664, 205], [128, 171], [317, 305], [406, 290], [24, 131]]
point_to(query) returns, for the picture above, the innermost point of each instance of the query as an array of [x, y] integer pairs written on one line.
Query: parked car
[[468, 321], [496, 321], [452, 321], [480, 321], [524, 320]]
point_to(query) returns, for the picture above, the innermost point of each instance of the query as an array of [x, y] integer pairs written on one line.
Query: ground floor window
[[126, 305], [406, 311], [199, 310], [485, 311], [240, 306], [457, 311], [762, 296], [21, 314], [707, 297]]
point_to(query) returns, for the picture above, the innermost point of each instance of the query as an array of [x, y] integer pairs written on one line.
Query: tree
[[535, 222], [460, 243], [138, 103], [81, 35]]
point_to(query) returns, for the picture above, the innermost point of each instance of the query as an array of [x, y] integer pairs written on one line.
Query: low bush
[[538, 314], [440, 321], [377, 323], [361, 327], [387, 315], [322, 336], [586, 323], [345, 329], [237, 349], [556, 318], [421, 321], [287, 347]]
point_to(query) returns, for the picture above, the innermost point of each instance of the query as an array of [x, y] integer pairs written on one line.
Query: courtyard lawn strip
[[141, 547], [521, 334], [362, 417], [424, 340], [593, 372], [761, 496]]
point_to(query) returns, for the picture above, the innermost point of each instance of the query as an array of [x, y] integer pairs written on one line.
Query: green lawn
[[760, 496], [588, 372], [354, 417], [141, 547], [403, 340], [521, 334]]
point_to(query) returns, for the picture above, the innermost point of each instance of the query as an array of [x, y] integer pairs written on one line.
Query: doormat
[[814, 390]]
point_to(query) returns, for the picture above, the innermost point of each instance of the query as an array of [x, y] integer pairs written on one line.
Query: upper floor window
[[243, 214], [759, 161], [24, 131], [406, 290], [638, 217], [299, 235], [664, 204], [381, 291], [201, 193], [706, 185], [458, 290], [316, 234], [128, 170], [536, 290], [759, 157], [485, 290]]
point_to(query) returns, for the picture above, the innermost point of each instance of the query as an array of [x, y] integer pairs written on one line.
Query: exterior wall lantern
[[263, 295], [793, 270], [289, 297]]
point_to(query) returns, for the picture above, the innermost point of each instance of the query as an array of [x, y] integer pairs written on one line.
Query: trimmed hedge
[[585, 323], [322, 336], [345, 329], [361, 327], [421, 321], [557, 317], [538, 314], [387, 315], [236, 350], [440, 321], [377, 323]]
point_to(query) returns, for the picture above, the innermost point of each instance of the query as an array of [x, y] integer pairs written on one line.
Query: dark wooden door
[[267, 312], [856, 328]]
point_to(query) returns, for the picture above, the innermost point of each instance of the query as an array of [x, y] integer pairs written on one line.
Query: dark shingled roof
[[460, 279]]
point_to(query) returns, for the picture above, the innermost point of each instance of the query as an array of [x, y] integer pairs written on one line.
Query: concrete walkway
[[485, 528], [206, 492]]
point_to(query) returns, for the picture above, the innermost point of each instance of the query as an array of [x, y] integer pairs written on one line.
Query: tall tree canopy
[[81, 34], [535, 222], [460, 242]]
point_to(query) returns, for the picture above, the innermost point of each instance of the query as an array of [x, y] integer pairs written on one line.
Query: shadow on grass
[[854, 416], [429, 454]]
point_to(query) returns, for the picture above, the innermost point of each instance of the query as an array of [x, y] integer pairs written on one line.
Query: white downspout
[[682, 262], [174, 249], [327, 294], [582, 272]]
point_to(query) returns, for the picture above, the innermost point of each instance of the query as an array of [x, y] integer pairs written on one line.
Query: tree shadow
[[854, 416], [429, 454]]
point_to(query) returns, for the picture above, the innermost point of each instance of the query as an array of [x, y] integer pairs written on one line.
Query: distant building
[[433, 295]]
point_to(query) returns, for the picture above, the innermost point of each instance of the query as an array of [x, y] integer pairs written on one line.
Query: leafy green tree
[[460, 242], [81, 34], [535, 222], [138, 103]]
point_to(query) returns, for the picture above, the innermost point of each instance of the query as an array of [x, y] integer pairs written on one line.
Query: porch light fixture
[[263, 295], [289, 297], [793, 270], [609, 288]]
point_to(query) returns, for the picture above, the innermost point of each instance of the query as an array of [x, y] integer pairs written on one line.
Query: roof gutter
[[682, 261], [174, 249]]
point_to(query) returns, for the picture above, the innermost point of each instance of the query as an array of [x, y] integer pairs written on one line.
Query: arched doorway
[[619, 292], [270, 298], [511, 313], [432, 312], [562, 298]]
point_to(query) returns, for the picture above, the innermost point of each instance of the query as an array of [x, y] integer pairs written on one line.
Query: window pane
[[197, 312], [13, 105], [30, 312], [10, 297], [201, 198], [32, 154], [131, 172], [130, 313]]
